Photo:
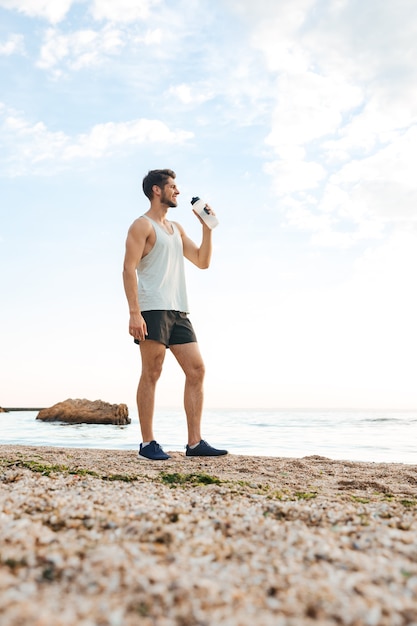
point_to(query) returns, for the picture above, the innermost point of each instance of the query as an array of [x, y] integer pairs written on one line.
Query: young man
[[154, 282]]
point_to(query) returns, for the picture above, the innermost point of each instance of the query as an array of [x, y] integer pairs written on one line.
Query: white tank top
[[161, 273]]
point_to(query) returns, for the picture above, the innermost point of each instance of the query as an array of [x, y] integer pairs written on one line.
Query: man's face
[[169, 193]]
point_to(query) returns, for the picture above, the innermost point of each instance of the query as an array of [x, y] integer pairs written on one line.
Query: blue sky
[[295, 119]]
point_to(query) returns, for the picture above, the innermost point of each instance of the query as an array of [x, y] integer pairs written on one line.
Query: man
[[154, 282]]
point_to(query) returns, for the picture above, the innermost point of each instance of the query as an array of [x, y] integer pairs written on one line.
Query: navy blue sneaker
[[153, 452], [203, 449]]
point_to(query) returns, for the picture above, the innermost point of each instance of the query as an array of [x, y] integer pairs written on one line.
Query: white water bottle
[[200, 207]]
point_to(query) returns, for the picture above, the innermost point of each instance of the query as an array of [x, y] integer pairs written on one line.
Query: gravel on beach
[[101, 538]]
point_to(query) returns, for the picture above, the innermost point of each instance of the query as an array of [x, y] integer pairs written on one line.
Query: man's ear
[[156, 190]]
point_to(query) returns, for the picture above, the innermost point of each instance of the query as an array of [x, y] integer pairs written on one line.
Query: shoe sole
[[206, 456], [145, 458]]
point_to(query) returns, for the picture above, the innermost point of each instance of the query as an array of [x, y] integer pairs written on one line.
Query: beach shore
[[99, 537]]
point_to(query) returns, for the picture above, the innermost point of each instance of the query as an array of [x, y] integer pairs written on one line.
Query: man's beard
[[166, 201]]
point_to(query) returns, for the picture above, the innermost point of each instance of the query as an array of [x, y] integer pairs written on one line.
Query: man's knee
[[152, 371], [152, 365], [196, 372]]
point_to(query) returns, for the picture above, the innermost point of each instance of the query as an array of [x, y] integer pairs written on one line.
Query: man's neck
[[158, 212]]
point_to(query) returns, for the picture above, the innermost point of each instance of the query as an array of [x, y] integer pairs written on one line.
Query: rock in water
[[86, 412]]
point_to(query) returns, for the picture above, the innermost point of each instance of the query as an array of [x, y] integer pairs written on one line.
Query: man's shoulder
[[141, 224], [140, 230]]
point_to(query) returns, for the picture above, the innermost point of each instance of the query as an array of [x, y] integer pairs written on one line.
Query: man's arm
[[135, 246], [198, 255]]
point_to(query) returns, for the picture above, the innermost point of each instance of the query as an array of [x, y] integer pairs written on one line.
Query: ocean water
[[355, 435]]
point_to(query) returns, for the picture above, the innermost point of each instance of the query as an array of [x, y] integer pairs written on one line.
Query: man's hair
[[156, 177]]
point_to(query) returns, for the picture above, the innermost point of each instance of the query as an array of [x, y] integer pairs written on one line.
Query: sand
[[99, 537]]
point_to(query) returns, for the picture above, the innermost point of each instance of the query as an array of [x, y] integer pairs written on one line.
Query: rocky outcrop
[[86, 412], [2, 410]]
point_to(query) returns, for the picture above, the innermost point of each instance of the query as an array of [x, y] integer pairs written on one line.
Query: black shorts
[[168, 327]]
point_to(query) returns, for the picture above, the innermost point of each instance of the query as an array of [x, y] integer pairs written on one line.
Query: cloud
[[52, 10], [14, 45], [383, 184], [343, 122], [82, 48], [194, 94], [55, 11], [91, 47], [151, 37], [277, 31], [122, 10], [104, 138], [32, 147], [310, 106], [292, 174]]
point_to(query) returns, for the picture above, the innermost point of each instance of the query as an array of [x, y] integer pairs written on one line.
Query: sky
[[295, 119]]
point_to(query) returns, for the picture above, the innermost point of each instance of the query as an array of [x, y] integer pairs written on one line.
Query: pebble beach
[[101, 538]]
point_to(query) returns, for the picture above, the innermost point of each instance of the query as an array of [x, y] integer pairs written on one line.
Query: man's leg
[[153, 355], [189, 357]]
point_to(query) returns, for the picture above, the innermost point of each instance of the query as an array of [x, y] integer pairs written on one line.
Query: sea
[[352, 435]]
